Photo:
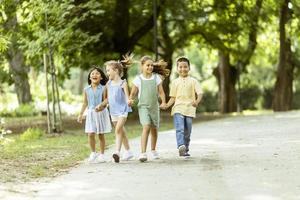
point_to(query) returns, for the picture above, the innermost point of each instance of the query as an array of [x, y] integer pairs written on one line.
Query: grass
[[51, 155], [48, 156]]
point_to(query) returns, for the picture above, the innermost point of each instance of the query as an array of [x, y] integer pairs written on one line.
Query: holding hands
[[100, 107]]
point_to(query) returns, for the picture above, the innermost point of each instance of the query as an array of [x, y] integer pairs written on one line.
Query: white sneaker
[[127, 155], [143, 157], [100, 158], [92, 157], [154, 154], [181, 150]]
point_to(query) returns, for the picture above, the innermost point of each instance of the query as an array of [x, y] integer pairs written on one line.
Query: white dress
[[96, 122]]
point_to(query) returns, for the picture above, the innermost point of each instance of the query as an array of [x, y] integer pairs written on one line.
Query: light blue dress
[[117, 101], [96, 122]]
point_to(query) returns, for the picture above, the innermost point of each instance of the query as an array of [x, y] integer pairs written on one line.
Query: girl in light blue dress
[[97, 116], [117, 93]]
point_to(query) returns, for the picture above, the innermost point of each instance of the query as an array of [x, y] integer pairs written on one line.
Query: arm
[[83, 107], [162, 96], [199, 92], [126, 91], [132, 95], [197, 101], [170, 102], [104, 103]]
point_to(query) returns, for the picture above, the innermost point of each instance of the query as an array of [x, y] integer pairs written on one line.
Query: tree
[[14, 53], [283, 91]]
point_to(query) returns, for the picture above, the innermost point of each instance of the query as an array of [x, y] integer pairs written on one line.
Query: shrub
[[32, 134], [26, 110]]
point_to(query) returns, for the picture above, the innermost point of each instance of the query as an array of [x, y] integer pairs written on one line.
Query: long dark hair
[[104, 79]]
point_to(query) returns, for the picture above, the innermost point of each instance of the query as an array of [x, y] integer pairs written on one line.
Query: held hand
[[130, 102], [163, 106], [99, 108], [195, 104]]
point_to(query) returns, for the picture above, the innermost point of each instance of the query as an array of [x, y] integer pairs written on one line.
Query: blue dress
[[117, 101], [96, 122]]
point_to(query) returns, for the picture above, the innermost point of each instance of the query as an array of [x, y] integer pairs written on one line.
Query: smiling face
[[147, 67], [183, 69], [111, 72], [95, 77]]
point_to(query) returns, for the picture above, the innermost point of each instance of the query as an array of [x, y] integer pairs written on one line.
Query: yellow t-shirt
[[184, 90]]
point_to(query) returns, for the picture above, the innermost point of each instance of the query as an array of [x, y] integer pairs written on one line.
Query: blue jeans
[[183, 126]]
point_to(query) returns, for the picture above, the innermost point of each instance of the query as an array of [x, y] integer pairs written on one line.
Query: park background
[[244, 53]]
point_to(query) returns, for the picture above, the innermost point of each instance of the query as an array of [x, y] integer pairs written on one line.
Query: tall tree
[[283, 91], [14, 53]]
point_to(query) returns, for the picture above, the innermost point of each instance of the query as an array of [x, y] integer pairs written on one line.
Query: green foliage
[[32, 134], [209, 102], [24, 110]]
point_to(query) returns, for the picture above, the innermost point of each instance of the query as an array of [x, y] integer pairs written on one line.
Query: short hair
[[183, 59]]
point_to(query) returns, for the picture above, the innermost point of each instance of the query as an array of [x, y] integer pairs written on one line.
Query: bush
[[209, 102], [249, 97], [32, 134], [26, 110]]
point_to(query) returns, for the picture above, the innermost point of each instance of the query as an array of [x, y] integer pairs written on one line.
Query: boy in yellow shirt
[[185, 94]]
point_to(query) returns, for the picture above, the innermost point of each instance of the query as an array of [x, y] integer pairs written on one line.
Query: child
[[148, 85], [97, 119], [182, 93], [117, 91]]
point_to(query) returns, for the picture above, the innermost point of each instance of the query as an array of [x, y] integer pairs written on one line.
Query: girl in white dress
[[97, 118]]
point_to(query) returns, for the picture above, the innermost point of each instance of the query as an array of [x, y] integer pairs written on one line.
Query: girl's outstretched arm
[[162, 96], [170, 102], [134, 91], [126, 91], [104, 103], [83, 107]]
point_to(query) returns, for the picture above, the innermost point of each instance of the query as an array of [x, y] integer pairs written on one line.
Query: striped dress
[[96, 122]]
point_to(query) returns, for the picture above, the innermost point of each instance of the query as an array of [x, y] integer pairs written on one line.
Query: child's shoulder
[[87, 87]]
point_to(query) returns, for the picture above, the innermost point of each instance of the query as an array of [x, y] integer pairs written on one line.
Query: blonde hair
[[120, 65], [159, 67]]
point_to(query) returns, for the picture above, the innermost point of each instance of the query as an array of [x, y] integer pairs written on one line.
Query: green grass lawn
[[48, 156]]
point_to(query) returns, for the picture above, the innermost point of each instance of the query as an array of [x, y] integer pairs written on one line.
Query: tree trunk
[[20, 75], [16, 63], [283, 92], [226, 76]]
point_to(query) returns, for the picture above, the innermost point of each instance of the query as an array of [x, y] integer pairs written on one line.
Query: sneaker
[[143, 157], [154, 154], [181, 150], [100, 158], [127, 155], [116, 157], [187, 155], [92, 157]]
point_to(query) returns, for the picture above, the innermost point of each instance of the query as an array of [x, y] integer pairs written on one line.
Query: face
[[147, 67], [183, 69], [95, 77], [111, 72]]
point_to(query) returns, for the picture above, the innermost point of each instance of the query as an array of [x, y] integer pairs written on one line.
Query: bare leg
[[154, 136], [92, 141], [144, 139], [119, 133], [102, 143], [125, 140]]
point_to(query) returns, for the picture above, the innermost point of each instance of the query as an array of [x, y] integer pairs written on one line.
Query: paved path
[[239, 158]]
